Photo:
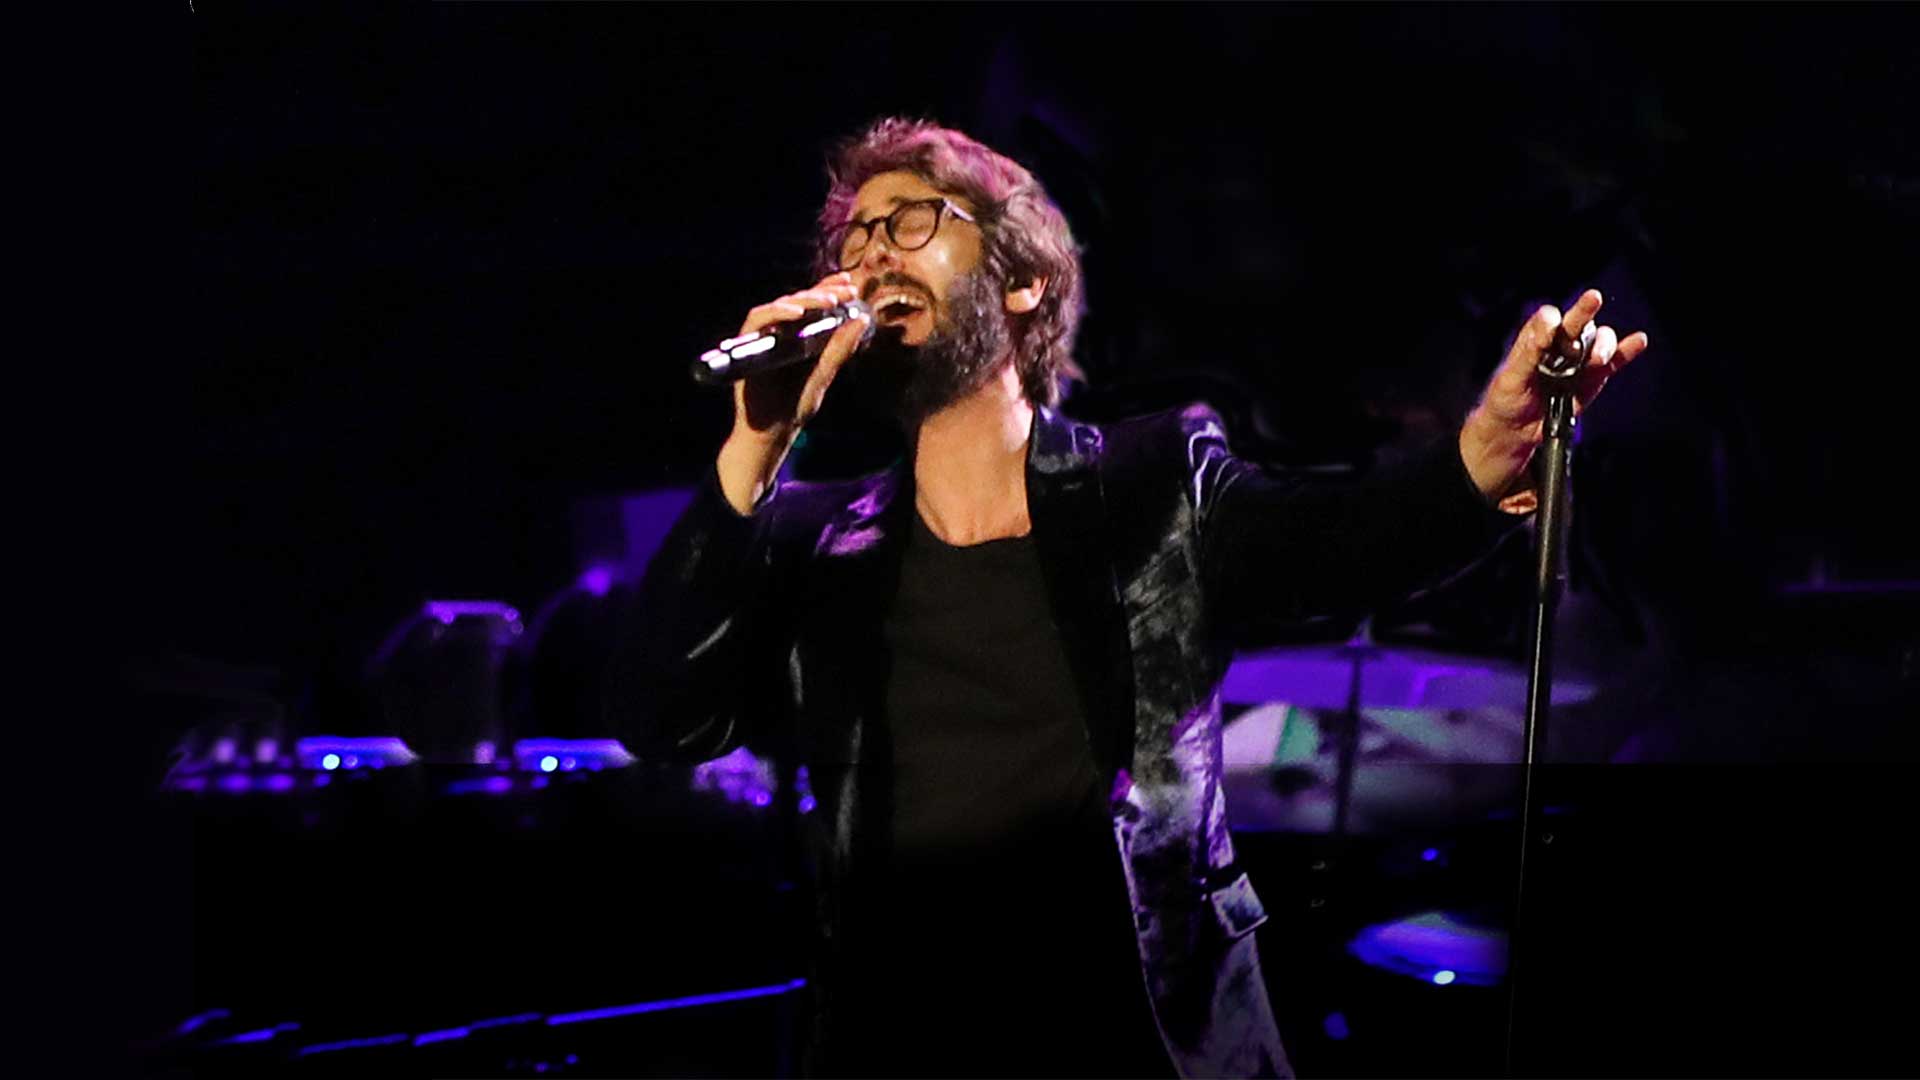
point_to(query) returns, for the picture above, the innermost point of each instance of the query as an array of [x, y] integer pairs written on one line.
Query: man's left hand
[[1501, 433]]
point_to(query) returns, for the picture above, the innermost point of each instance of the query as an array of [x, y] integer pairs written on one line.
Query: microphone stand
[[1557, 373]]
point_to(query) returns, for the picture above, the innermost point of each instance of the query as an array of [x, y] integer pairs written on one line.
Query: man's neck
[[970, 461]]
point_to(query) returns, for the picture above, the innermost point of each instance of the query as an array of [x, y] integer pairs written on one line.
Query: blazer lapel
[[1067, 504], [857, 569]]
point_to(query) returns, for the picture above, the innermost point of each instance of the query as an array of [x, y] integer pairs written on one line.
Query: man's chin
[[898, 380], [899, 383], [875, 385]]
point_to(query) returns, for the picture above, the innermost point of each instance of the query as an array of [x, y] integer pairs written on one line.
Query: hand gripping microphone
[[777, 346]]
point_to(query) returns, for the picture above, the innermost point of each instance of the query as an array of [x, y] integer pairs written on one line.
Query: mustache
[[893, 279]]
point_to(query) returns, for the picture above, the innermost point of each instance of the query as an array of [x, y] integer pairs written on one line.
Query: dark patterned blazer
[[1162, 553]]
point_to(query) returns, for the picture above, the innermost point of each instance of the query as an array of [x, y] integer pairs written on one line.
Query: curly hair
[[1026, 235]]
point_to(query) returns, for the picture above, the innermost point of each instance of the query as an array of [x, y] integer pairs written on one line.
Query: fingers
[[1514, 398], [1575, 321], [831, 290], [1633, 345], [1547, 326], [841, 345], [1611, 352], [1605, 341], [765, 315], [1532, 342]]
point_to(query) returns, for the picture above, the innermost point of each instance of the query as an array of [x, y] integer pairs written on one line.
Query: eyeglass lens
[[908, 228]]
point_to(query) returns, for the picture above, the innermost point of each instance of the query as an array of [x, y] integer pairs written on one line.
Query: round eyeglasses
[[910, 227]]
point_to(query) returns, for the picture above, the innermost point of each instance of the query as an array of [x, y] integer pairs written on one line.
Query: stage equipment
[[1392, 694], [437, 680], [1558, 372]]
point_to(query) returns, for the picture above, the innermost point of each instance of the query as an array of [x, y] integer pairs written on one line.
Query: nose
[[877, 258]]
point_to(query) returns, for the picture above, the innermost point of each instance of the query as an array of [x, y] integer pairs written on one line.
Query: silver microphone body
[[780, 345]]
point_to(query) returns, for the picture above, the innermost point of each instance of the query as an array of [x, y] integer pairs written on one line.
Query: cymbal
[[1278, 736], [1391, 677]]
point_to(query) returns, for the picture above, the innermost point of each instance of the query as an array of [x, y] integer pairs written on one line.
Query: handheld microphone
[[1567, 357], [779, 345]]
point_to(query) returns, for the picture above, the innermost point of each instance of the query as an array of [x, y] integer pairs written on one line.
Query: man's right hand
[[770, 409]]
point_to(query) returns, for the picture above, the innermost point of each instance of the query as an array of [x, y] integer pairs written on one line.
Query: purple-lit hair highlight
[[1026, 235]]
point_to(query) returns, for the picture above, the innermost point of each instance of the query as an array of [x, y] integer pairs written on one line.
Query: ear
[[1025, 298]]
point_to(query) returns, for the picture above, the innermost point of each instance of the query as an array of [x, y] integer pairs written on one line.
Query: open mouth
[[892, 309]]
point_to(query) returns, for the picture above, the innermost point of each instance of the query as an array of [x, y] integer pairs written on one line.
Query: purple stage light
[[505, 1021], [442, 1036], [262, 1035], [236, 782], [313, 751], [676, 1003], [448, 610], [463, 1031], [249, 1037], [278, 782], [740, 776], [533, 754], [194, 1023], [807, 804], [597, 580], [1430, 855], [481, 785], [1435, 947], [354, 1044]]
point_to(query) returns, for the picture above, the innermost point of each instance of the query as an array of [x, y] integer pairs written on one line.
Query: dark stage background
[[442, 274]]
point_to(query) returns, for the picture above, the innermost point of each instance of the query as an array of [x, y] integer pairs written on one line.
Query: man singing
[[1000, 660]]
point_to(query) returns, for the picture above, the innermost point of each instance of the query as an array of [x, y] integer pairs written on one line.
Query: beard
[[908, 383]]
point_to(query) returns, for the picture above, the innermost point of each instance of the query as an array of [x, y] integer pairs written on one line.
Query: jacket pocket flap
[[1237, 906]]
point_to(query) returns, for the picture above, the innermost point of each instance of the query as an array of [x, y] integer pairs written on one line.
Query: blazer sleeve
[[695, 654], [1276, 550]]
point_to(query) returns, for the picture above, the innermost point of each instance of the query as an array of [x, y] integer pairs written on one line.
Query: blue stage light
[[570, 754], [1435, 947], [676, 1003], [315, 751]]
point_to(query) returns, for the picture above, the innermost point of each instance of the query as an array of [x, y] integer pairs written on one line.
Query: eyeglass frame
[[837, 240]]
